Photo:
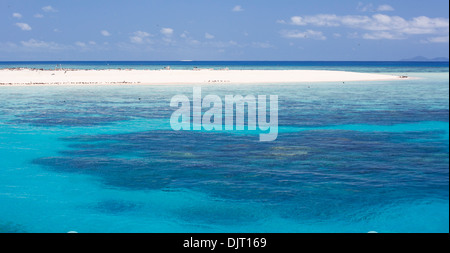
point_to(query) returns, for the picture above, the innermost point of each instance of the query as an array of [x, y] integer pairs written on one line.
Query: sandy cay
[[166, 77]]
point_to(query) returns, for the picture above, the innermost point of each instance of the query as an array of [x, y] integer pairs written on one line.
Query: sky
[[222, 30]]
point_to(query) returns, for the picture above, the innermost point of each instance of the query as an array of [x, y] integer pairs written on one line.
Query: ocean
[[353, 157], [356, 66]]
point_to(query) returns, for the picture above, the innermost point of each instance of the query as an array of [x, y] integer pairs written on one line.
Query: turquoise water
[[357, 66], [359, 157]]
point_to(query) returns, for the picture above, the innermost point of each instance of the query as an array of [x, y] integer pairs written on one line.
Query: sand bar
[[165, 77]]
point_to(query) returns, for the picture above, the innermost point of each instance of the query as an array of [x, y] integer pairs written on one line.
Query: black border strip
[[274, 241]]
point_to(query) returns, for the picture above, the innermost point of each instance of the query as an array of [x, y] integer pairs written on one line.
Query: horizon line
[[187, 61]]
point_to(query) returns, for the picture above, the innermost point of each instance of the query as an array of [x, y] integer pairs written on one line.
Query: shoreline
[[40, 77]]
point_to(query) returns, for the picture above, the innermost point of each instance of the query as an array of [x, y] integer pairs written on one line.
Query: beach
[[26, 76]]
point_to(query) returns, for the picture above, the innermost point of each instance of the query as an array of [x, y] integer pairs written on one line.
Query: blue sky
[[223, 30]]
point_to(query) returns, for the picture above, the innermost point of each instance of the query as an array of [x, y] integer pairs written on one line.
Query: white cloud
[[105, 33], [37, 15], [136, 40], [440, 39], [308, 34], [370, 8], [49, 9], [80, 44], [375, 22], [32, 43], [262, 45], [193, 42], [17, 15], [237, 8], [365, 7], [394, 27], [167, 31], [318, 20], [24, 26], [92, 43], [140, 37], [209, 36], [385, 7], [142, 34], [382, 35], [189, 40], [430, 23], [220, 44], [184, 35]]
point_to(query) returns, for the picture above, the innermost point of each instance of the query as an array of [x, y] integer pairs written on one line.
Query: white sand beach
[[166, 77]]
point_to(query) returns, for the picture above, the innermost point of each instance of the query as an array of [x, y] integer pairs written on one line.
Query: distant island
[[422, 58]]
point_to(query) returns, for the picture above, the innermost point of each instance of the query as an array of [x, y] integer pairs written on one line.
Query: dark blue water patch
[[69, 121], [116, 207], [313, 170], [365, 105], [91, 115], [10, 227], [85, 151], [132, 174], [74, 106], [324, 117]]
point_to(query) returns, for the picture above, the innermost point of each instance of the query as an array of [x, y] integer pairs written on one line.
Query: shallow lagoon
[[353, 157]]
